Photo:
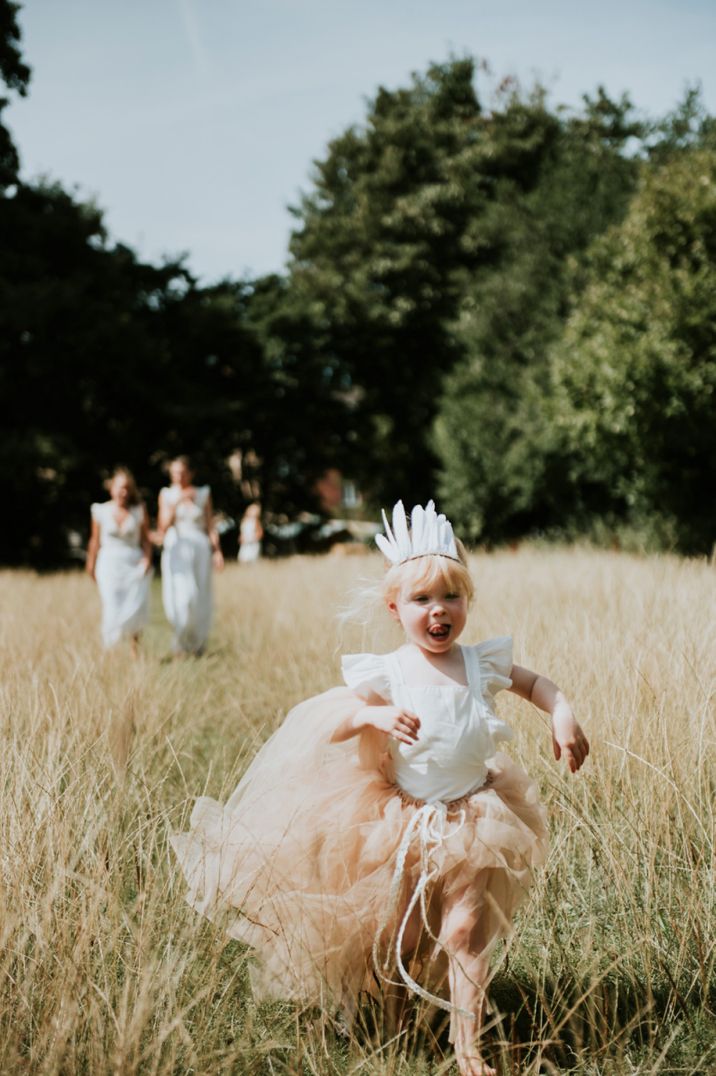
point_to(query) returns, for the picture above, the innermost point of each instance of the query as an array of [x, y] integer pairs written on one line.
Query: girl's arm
[[92, 550], [400, 724], [167, 514], [213, 533], [145, 540], [568, 739]]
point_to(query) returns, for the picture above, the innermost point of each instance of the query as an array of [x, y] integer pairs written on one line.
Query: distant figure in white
[[250, 534], [119, 560], [186, 526]]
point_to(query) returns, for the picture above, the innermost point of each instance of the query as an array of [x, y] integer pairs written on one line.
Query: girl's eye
[[420, 598], [451, 597]]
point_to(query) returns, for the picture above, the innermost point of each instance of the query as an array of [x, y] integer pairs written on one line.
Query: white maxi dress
[[122, 582], [186, 572]]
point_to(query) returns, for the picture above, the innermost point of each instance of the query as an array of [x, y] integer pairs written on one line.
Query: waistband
[[452, 806]]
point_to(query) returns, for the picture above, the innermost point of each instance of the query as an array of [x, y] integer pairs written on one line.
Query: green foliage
[[376, 260], [102, 359], [16, 76], [634, 376], [543, 210]]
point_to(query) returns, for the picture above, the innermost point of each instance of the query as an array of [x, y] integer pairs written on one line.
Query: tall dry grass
[[105, 970]]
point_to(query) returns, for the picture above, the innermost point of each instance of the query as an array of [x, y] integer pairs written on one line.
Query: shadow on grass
[[563, 1026]]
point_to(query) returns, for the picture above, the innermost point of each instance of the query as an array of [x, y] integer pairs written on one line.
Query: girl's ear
[[392, 608]]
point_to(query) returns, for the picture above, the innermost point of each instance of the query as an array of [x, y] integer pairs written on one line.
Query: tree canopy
[[487, 296], [634, 374]]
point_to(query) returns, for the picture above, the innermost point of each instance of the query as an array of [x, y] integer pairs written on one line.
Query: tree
[[16, 76], [557, 181], [375, 262], [635, 374], [104, 359]]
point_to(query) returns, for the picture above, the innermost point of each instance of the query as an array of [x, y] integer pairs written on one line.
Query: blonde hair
[[365, 599], [426, 571]]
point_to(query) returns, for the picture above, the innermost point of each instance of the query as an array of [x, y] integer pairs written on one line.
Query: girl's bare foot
[[473, 1064]]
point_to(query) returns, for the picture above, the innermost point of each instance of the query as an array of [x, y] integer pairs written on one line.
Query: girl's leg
[[396, 996], [462, 936]]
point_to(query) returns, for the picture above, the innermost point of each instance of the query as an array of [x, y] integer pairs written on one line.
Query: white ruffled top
[[459, 728], [189, 517]]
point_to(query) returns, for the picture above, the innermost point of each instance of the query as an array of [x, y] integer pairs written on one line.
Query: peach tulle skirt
[[301, 861]]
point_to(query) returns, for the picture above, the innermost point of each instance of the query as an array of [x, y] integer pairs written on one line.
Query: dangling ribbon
[[429, 825]]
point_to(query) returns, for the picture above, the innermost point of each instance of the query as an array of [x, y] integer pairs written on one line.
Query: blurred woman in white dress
[[191, 545], [251, 533], [119, 560]]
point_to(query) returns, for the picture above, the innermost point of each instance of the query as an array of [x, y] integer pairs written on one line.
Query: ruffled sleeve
[[494, 658], [492, 661], [96, 510], [366, 675]]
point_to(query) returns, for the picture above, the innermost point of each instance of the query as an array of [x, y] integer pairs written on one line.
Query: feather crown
[[429, 534]]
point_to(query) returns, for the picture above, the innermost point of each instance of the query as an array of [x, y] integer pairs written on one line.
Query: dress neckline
[[121, 527], [467, 664]]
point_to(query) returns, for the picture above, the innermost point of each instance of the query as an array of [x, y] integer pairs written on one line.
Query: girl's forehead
[[434, 582], [437, 587]]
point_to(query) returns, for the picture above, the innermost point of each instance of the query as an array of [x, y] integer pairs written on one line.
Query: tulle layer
[[301, 862]]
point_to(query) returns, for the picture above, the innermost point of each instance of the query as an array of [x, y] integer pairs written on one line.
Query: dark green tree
[[104, 359], [553, 182], [634, 377], [375, 269], [16, 76]]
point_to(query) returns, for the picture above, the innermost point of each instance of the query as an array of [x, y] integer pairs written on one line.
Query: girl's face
[[179, 473], [119, 490], [432, 616]]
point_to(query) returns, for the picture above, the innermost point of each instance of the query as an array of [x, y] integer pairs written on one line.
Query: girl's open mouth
[[439, 631]]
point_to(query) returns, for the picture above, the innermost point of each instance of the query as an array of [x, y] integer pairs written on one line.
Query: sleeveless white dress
[[186, 572], [324, 850], [249, 541], [122, 582]]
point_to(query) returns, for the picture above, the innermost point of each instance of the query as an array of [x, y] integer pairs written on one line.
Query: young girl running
[[379, 832]]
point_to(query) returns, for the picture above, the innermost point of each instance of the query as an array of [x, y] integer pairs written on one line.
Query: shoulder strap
[[394, 668], [472, 668]]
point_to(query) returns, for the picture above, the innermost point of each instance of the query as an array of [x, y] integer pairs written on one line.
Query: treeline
[[510, 306]]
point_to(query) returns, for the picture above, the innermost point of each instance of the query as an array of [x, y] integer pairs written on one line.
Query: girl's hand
[[218, 559], [90, 572], [568, 739], [146, 564], [400, 724]]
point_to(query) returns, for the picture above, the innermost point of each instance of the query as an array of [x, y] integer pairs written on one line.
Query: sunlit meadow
[[104, 968]]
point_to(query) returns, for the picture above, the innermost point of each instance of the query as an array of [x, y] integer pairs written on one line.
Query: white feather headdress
[[429, 533]]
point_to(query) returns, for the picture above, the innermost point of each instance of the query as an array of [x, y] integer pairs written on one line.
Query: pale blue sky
[[193, 123]]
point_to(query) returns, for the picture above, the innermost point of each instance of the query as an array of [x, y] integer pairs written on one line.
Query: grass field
[[103, 967]]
